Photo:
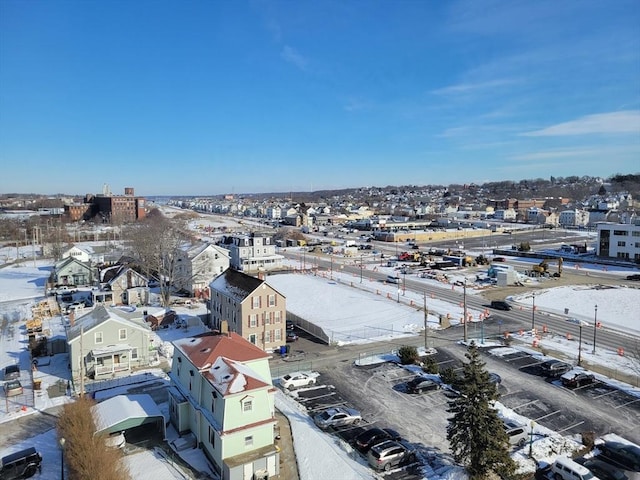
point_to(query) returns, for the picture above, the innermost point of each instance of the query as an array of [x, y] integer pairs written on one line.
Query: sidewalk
[[288, 462]]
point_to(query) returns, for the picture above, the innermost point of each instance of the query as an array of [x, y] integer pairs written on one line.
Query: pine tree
[[475, 432]]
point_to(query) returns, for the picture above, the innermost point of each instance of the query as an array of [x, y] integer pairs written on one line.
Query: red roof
[[203, 350]]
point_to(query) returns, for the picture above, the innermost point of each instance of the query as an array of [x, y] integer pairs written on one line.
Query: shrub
[[408, 355], [429, 365], [449, 376]]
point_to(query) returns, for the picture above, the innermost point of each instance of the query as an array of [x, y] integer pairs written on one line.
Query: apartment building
[[250, 307], [254, 252], [221, 392]]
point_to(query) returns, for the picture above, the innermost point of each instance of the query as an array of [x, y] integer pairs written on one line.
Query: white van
[[393, 279], [566, 469]]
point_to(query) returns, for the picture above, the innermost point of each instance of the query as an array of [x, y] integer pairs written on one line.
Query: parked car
[[389, 454], [11, 372], [421, 384], [554, 368], [573, 379], [298, 379], [603, 470], [626, 456], [635, 276], [499, 259], [13, 388], [21, 464], [116, 440], [518, 435], [500, 305], [495, 379], [337, 417], [373, 436], [290, 325], [292, 336], [563, 468]]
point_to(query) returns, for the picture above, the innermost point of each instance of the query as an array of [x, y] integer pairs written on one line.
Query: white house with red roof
[[221, 392]]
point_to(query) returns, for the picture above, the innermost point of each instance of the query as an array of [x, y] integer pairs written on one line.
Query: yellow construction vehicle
[[541, 269]]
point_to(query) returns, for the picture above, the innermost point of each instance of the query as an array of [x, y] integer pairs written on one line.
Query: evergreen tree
[[476, 432]]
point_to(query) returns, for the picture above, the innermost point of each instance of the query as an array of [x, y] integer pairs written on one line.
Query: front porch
[[109, 361]]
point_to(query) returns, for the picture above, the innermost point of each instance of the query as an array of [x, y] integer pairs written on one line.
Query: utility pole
[[580, 346], [595, 328], [81, 363], [533, 313], [464, 302], [426, 326]]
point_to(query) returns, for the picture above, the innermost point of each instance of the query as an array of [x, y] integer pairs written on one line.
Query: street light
[[62, 442], [595, 328], [533, 313]]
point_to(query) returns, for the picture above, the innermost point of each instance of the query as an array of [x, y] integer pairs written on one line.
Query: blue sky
[[210, 97]]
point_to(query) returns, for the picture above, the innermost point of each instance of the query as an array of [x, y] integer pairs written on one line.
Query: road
[[514, 320]]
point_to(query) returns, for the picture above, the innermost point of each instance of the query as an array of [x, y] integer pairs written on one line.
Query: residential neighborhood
[[222, 291]]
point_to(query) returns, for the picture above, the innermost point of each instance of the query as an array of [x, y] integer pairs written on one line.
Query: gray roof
[[236, 285], [100, 315]]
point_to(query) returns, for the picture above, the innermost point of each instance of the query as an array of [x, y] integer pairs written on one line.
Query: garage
[[129, 414]]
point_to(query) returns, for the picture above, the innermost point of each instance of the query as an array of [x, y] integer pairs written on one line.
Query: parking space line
[[547, 415], [605, 394], [526, 404], [511, 393], [628, 403], [570, 427], [529, 365]]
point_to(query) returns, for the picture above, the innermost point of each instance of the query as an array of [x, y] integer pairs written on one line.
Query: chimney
[[72, 318]]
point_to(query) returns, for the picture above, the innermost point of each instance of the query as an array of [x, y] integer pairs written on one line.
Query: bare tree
[[154, 244]]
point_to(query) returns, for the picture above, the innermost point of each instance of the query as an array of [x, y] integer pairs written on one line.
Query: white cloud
[[464, 88], [626, 121], [290, 55]]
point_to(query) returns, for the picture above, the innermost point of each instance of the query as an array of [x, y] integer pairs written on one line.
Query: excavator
[[542, 269]]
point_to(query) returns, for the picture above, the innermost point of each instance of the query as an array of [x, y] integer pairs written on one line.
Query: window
[[620, 233], [253, 320], [252, 339], [97, 337], [248, 441], [122, 334], [247, 405], [272, 300], [636, 233], [277, 317], [255, 302], [212, 437], [621, 243], [134, 354], [278, 334]]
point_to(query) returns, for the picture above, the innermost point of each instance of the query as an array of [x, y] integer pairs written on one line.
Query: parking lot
[[379, 393]]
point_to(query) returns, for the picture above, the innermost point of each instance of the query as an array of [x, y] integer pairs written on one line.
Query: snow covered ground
[[316, 452]]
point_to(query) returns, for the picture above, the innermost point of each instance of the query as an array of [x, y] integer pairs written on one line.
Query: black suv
[[22, 464], [500, 305], [11, 372], [555, 368]]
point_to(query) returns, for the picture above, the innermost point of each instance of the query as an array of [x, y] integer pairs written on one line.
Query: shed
[[125, 412]]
